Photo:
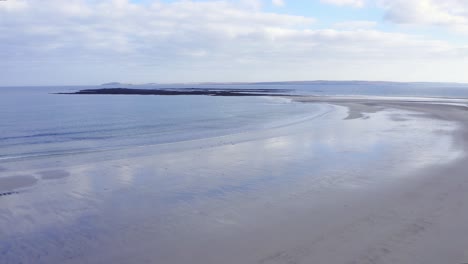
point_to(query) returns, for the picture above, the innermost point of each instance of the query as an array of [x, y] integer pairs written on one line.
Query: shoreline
[[426, 220], [169, 201]]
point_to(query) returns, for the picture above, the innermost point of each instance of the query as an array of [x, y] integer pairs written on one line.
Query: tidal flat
[[356, 181]]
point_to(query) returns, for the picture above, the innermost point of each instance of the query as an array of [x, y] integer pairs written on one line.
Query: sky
[[86, 42]]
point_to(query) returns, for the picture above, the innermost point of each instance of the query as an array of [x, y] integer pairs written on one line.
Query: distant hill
[[112, 83], [125, 84]]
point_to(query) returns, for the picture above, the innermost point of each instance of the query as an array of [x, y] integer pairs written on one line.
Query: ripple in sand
[[14, 182], [54, 174]]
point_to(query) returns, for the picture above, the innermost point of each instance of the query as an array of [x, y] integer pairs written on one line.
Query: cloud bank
[[451, 13], [81, 42]]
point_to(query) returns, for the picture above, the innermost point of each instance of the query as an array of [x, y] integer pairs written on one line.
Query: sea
[[208, 179], [37, 122]]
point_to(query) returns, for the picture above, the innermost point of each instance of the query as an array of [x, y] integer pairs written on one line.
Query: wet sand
[[421, 222], [16, 182], [366, 181]]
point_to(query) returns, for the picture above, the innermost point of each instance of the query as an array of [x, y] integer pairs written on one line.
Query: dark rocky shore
[[186, 91]]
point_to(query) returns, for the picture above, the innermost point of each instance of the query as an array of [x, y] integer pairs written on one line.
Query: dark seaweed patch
[[186, 91], [7, 193]]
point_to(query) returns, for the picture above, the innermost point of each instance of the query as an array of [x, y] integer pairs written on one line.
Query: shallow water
[[35, 122], [228, 198]]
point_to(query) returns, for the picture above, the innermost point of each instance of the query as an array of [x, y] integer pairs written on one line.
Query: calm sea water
[[283, 176], [37, 122]]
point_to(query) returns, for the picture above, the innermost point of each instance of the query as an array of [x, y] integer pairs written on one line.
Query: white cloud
[[9, 6], [450, 13], [354, 3], [100, 41], [253, 4], [278, 2], [355, 24]]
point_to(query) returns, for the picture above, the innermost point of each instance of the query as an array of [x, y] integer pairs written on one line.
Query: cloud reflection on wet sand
[[158, 204]]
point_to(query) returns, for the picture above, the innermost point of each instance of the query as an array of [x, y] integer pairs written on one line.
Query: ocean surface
[[36, 122], [201, 179]]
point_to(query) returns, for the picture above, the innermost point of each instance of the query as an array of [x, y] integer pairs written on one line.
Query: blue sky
[[55, 42]]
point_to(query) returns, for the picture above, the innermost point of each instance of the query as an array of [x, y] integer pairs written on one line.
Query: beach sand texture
[[367, 181]]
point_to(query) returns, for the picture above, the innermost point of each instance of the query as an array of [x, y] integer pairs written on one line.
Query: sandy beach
[[420, 222], [363, 181]]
